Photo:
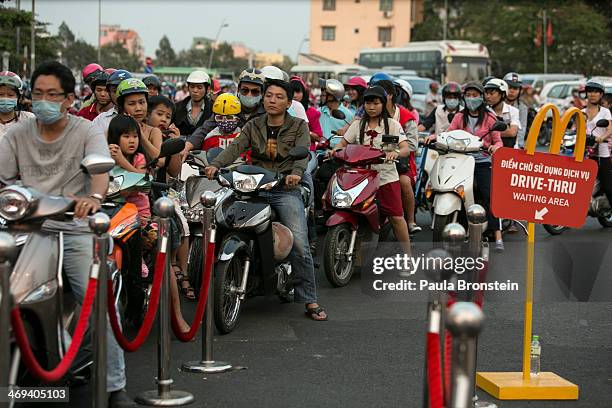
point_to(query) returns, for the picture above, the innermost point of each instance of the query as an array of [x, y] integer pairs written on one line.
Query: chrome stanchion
[[163, 396], [208, 363], [453, 237], [99, 224], [464, 321], [8, 250]]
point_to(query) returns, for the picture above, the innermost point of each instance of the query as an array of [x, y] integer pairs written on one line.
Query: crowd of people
[[270, 112]]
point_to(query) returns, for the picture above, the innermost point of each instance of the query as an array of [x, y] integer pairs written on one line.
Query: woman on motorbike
[[355, 87], [594, 112], [478, 120], [368, 131], [10, 92], [300, 94]]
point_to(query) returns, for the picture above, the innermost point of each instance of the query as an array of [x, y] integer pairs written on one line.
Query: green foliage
[[165, 55], [115, 56], [223, 58]]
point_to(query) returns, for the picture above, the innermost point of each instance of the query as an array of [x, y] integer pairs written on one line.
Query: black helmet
[[451, 88], [152, 80], [100, 78], [473, 85]]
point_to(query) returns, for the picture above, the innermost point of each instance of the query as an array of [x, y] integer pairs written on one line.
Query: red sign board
[[541, 188]]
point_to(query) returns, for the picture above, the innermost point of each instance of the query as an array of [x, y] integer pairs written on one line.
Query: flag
[[549, 34], [538, 38]]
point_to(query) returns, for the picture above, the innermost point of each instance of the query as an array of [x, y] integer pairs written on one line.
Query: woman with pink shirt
[[300, 94], [478, 120]]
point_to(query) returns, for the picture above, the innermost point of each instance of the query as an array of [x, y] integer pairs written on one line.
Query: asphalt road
[[370, 352]]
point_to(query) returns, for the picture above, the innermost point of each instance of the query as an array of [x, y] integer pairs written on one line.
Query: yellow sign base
[[511, 386]]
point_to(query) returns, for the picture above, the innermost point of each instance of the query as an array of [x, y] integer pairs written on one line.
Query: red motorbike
[[350, 202]]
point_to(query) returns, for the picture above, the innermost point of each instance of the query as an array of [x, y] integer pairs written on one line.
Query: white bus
[[443, 61], [312, 73]]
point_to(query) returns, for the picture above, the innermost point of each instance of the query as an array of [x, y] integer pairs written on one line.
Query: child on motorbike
[[225, 109], [369, 131]]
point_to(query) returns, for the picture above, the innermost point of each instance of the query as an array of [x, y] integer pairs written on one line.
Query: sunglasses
[[246, 91]]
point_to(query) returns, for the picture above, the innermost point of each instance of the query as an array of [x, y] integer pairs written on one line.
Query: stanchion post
[[453, 237], [99, 224], [208, 364], [8, 250], [163, 395], [464, 322], [477, 223]]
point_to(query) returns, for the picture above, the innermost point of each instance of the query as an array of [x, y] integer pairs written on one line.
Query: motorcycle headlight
[[13, 205], [342, 199], [246, 183], [457, 144], [115, 186], [569, 140]]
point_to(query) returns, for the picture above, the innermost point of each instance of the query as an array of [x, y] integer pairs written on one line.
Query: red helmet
[[109, 71], [90, 69], [216, 86], [357, 81], [298, 79]]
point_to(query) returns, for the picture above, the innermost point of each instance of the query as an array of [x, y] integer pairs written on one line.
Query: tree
[[65, 35], [165, 55], [115, 56], [78, 54]]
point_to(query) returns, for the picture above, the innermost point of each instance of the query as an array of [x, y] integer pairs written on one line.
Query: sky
[[263, 25]]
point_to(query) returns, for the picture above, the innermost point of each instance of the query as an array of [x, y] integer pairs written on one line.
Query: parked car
[[420, 87], [559, 93], [537, 81]]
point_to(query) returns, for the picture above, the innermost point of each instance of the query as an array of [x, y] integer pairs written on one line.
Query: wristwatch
[[98, 197]]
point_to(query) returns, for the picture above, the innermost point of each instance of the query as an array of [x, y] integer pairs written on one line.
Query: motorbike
[[48, 308], [252, 247], [599, 207], [450, 188], [425, 159], [350, 202]]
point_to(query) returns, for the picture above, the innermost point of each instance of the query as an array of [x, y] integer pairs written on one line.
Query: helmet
[[356, 81], [595, 84], [380, 76], [226, 104], [90, 69], [216, 86], [375, 91], [272, 72], [487, 79], [116, 77], [296, 78], [334, 88], [11, 79], [131, 86], [99, 79], [513, 80], [110, 71], [152, 80], [253, 76], [405, 86], [451, 88], [282, 240], [496, 83], [198, 77], [473, 85]]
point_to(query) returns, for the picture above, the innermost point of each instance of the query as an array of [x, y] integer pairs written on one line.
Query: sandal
[[184, 285], [315, 311]]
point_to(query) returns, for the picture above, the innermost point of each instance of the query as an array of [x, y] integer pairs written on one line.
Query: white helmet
[[274, 73], [496, 83], [198, 77], [405, 85]]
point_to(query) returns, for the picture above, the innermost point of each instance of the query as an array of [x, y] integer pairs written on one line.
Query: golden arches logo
[[559, 126]]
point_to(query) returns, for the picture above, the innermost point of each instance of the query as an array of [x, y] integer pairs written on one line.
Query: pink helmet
[[298, 79], [109, 71], [357, 81], [90, 69]]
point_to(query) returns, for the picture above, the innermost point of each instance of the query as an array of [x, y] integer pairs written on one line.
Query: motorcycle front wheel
[[194, 265], [440, 221], [554, 229], [338, 269], [228, 276]]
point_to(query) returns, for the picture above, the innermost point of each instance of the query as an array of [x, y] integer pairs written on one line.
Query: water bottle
[[536, 350]]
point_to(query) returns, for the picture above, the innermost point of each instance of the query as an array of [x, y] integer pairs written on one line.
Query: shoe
[[121, 399], [414, 228], [499, 246]]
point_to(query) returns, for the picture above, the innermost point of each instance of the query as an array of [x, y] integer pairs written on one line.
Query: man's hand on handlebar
[[84, 206], [391, 156], [210, 172], [431, 138], [292, 180]]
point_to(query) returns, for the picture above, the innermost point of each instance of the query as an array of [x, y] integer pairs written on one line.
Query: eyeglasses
[[254, 91], [225, 118], [52, 96]]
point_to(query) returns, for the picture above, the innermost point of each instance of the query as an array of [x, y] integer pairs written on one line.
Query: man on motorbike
[[495, 92], [44, 152], [194, 110], [441, 117], [270, 137], [154, 85], [102, 99], [11, 112], [513, 98], [102, 121]]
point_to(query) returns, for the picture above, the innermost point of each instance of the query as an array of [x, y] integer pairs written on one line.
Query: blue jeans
[[289, 207], [78, 256]]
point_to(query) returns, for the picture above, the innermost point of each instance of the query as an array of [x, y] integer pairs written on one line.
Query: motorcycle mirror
[[298, 153], [499, 126], [338, 114], [97, 164], [171, 147], [602, 123]]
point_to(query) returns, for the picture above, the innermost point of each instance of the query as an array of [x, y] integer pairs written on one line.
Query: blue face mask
[[473, 103], [451, 104], [8, 104], [249, 101], [47, 112]]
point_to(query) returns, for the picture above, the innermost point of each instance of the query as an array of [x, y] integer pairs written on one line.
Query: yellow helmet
[[226, 104]]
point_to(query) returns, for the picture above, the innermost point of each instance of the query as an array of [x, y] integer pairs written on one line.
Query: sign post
[[545, 189]]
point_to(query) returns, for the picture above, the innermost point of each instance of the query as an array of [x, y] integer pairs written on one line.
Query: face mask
[[452, 103], [249, 101], [228, 126], [7, 104], [47, 112], [473, 103]]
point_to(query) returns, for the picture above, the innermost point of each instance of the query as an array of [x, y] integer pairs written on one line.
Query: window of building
[[384, 34], [329, 33], [329, 5], [386, 5]]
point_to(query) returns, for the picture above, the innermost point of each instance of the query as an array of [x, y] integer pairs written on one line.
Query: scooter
[[48, 308], [350, 202], [599, 206], [252, 247], [450, 188], [425, 160]]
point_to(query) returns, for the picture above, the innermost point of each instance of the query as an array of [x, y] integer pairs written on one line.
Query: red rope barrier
[[434, 371], [201, 307], [147, 324], [62, 368]]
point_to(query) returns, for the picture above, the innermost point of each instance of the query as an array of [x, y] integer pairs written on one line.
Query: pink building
[[130, 39]]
